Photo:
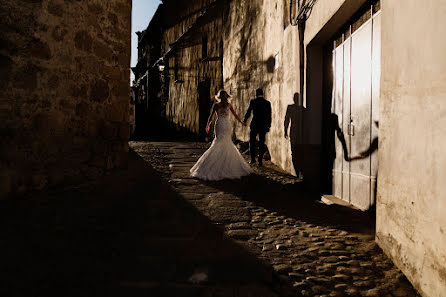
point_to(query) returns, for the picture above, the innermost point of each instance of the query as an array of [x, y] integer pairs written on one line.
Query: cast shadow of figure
[[294, 121], [366, 154], [333, 128], [333, 131], [372, 148]]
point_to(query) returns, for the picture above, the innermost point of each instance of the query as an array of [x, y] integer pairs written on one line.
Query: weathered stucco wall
[[255, 34], [411, 203], [64, 91]]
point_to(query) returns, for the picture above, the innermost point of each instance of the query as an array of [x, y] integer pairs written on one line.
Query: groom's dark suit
[[260, 124]]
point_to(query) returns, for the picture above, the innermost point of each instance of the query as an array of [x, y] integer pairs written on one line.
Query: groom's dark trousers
[[260, 124], [252, 144]]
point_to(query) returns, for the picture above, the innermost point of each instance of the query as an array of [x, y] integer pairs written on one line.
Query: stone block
[[79, 141], [82, 109], [25, 77], [6, 179], [79, 91], [58, 95], [99, 90], [123, 59], [113, 18], [124, 132], [98, 161], [55, 8], [114, 73], [122, 90], [55, 175], [99, 147], [83, 41], [40, 49], [5, 70], [102, 50], [39, 180], [120, 160], [93, 127], [95, 9], [59, 33]]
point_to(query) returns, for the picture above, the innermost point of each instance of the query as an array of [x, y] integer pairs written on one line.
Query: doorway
[[354, 116]]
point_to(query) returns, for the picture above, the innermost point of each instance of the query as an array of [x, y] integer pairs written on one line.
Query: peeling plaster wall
[[255, 34], [64, 91], [411, 202]]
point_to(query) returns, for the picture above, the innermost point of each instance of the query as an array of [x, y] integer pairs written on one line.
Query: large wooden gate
[[356, 79]]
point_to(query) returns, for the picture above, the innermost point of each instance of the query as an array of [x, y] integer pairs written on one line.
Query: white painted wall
[[411, 203]]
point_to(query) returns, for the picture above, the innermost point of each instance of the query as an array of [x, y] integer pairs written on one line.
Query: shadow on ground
[[294, 201], [128, 234]]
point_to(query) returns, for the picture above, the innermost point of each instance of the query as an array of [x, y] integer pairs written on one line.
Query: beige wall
[[64, 89], [255, 34], [411, 203]]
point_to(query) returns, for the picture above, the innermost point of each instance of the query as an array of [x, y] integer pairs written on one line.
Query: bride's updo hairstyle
[[222, 96]]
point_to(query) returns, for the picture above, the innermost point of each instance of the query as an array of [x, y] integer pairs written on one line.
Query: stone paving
[[151, 230], [313, 249], [126, 234]]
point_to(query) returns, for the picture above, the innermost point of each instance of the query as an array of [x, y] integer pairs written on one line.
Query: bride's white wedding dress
[[222, 160]]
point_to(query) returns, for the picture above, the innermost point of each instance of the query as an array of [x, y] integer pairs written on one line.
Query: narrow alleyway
[[150, 230], [316, 249]]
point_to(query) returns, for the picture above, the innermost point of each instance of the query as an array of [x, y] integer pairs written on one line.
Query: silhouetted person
[[333, 131], [365, 154], [260, 124], [293, 120]]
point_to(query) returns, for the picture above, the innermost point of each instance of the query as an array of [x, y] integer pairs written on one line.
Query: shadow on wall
[[294, 121], [366, 154], [249, 39], [270, 63], [333, 130]]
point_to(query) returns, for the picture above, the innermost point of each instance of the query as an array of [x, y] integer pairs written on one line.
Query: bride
[[222, 160]]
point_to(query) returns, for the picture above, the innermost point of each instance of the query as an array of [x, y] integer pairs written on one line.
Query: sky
[[142, 13]]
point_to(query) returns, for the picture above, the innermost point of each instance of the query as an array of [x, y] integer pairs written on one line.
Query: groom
[[260, 124]]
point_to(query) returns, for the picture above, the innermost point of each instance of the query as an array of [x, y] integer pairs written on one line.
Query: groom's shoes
[[260, 164], [252, 162]]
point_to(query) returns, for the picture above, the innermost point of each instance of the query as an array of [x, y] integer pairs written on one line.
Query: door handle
[[351, 129]]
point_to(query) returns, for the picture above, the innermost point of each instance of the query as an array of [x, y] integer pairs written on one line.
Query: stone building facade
[[64, 91], [147, 86], [189, 47], [344, 77]]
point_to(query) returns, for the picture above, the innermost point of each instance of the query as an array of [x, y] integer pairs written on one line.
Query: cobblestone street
[[151, 230], [314, 249]]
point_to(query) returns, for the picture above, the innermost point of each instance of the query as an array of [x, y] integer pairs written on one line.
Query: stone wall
[[64, 91], [411, 202], [183, 107]]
